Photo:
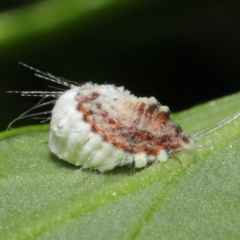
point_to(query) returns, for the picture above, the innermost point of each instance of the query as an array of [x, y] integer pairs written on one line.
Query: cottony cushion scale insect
[[103, 126]]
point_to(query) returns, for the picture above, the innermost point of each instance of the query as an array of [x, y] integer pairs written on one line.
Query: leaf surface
[[43, 197]]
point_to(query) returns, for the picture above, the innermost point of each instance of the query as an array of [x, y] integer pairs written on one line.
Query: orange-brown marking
[[150, 131]]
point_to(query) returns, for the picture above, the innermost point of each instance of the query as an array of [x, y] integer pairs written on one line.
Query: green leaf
[[58, 19], [45, 198]]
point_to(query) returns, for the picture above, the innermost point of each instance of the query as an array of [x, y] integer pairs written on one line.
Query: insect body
[[102, 126]]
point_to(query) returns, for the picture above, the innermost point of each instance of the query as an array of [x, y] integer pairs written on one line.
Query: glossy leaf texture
[[43, 197]]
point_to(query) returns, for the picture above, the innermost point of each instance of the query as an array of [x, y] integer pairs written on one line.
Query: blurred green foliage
[[181, 52]]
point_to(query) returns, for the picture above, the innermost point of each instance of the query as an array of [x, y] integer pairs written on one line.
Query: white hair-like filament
[[43, 94], [201, 134]]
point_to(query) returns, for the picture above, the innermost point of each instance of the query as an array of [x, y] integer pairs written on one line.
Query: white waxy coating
[[72, 139]]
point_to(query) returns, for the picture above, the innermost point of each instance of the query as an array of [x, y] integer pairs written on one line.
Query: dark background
[[182, 52]]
